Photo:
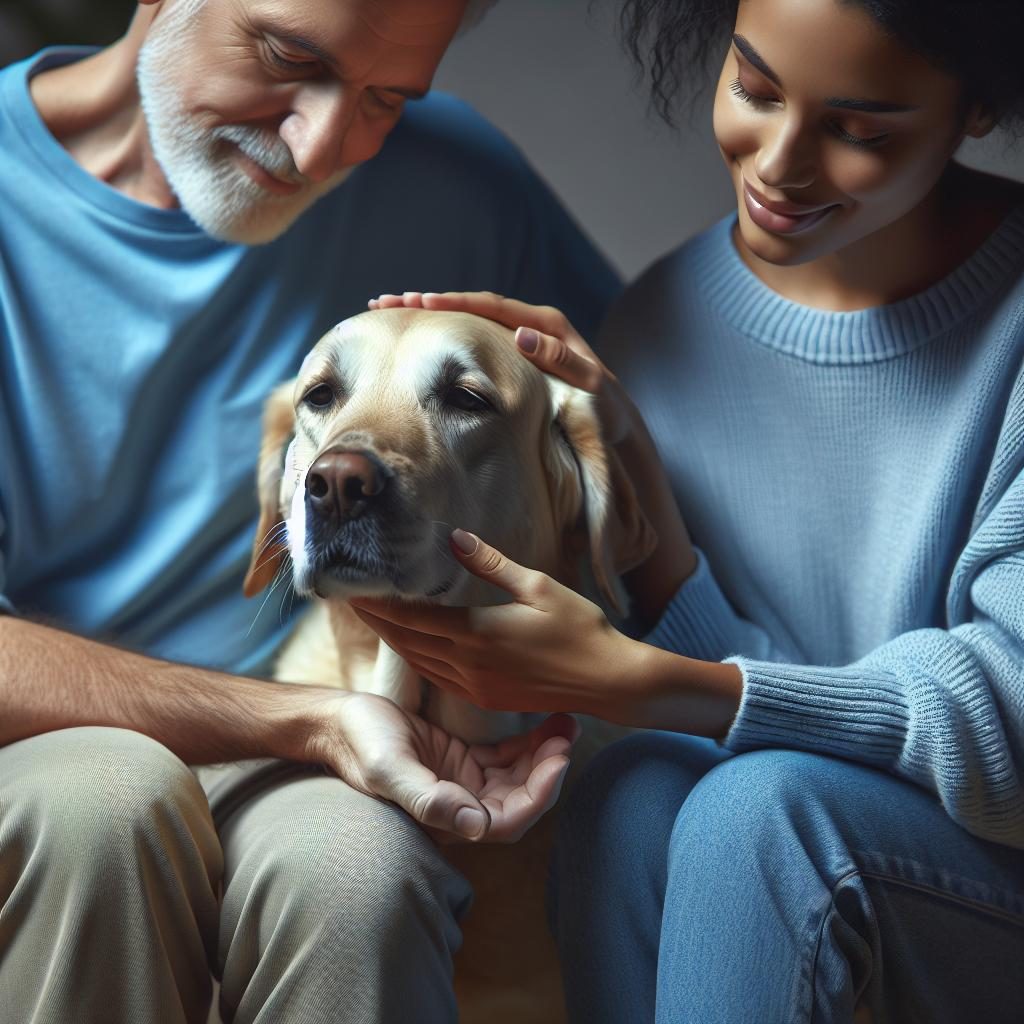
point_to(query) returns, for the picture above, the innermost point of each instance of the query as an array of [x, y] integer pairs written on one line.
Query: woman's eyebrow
[[842, 103], [748, 51], [869, 106]]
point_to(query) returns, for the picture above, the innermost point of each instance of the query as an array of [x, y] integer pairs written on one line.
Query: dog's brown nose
[[340, 484]]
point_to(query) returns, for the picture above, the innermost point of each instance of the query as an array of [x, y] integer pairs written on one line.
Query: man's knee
[[99, 796], [354, 870]]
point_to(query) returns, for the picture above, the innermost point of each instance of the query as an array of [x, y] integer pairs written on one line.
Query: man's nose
[[315, 130], [788, 157], [343, 485]]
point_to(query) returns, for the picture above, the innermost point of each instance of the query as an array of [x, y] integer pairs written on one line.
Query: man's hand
[[483, 793]]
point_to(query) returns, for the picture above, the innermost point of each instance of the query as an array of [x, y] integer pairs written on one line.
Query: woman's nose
[[787, 158]]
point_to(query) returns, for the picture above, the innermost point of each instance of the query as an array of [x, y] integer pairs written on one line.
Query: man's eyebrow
[[302, 43], [748, 51], [315, 50], [839, 102]]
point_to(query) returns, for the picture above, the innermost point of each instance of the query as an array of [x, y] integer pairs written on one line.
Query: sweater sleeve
[[699, 622], [943, 708]]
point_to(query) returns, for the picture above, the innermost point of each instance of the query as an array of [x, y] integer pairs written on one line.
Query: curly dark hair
[[676, 42]]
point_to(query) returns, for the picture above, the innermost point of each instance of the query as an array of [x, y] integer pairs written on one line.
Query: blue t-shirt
[[136, 353]]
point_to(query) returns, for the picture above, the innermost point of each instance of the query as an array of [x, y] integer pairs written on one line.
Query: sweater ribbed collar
[[860, 336]]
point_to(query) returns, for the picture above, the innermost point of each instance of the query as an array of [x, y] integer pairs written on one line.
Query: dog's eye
[[319, 397], [467, 401]]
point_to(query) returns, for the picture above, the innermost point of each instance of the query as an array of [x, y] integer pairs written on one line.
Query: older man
[[172, 238]]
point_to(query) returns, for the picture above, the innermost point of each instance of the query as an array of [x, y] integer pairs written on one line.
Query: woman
[[833, 379]]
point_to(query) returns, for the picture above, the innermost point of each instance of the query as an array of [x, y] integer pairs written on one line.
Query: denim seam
[[944, 894], [813, 983]]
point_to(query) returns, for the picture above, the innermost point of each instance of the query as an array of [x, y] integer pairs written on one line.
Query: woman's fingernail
[[527, 339], [464, 541], [470, 822]]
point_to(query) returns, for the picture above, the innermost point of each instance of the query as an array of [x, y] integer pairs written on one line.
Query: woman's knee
[[614, 826], [770, 808]]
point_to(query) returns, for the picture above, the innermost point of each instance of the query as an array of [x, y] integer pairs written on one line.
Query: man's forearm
[[54, 680]]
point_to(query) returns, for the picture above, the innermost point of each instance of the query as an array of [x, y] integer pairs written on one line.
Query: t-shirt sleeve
[[6, 608]]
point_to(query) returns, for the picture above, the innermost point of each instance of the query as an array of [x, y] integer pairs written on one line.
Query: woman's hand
[[545, 336], [484, 793], [552, 344], [550, 650]]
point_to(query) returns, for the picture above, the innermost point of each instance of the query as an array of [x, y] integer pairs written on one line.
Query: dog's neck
[[366, 659]]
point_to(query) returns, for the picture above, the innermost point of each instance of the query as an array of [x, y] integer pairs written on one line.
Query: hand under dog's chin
[[344, 583]]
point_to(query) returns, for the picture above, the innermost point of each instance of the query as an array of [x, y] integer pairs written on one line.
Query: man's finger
[[505, 753], [433, 803], [511, 817]]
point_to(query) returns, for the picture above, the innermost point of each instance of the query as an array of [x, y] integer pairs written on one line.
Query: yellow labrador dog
[[401, 425]]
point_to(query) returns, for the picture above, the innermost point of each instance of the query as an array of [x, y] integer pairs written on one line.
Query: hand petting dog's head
[[404, 424]]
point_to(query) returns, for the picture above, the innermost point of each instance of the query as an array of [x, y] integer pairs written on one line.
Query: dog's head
[[404, 424]]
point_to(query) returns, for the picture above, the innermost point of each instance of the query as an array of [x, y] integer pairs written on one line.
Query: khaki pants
[[126, 883]]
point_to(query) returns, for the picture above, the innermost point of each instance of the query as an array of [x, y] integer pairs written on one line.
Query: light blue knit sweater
[[855, 485]]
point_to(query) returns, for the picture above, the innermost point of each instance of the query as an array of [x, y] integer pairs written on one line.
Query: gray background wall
[[552, 75]]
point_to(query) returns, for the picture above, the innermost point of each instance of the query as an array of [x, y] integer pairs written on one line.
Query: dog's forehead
[[410, 346]]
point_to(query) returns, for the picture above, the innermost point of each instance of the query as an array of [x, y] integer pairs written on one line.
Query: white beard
[[201, 164]]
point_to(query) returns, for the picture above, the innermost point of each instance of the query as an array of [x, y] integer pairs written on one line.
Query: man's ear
[[620, 537], [268, 546]]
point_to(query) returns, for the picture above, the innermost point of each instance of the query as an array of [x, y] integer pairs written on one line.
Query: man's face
[[256, 108]]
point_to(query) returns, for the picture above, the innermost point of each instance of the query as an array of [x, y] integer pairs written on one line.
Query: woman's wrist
[[681, 694]]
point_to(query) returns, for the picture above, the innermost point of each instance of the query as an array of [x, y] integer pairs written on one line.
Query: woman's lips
[[782, 218]]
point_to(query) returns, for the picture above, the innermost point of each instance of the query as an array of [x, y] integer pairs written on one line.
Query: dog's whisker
[[283, 572], [273, 535]]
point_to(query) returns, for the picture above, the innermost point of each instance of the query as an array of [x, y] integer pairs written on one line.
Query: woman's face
[[831, 129]]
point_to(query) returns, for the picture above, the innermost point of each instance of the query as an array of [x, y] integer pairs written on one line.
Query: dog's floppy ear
[[268, 546], [620, 537]]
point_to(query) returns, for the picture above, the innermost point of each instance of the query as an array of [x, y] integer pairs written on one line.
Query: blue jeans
[[694, 886]]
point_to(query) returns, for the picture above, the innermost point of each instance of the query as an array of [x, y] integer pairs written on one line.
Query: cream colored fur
[[529, 473]]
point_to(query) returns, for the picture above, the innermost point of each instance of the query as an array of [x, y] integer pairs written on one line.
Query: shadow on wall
[[28, 25]]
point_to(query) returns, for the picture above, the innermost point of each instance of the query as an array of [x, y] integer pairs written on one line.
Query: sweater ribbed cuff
[[695, 623], [855, 713]]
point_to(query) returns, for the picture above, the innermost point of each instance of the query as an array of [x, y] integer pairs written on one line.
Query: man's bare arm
[[50, 680], [53, 680]]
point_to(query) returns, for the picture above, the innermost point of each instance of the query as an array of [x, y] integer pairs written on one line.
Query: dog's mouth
[[368, 566]]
